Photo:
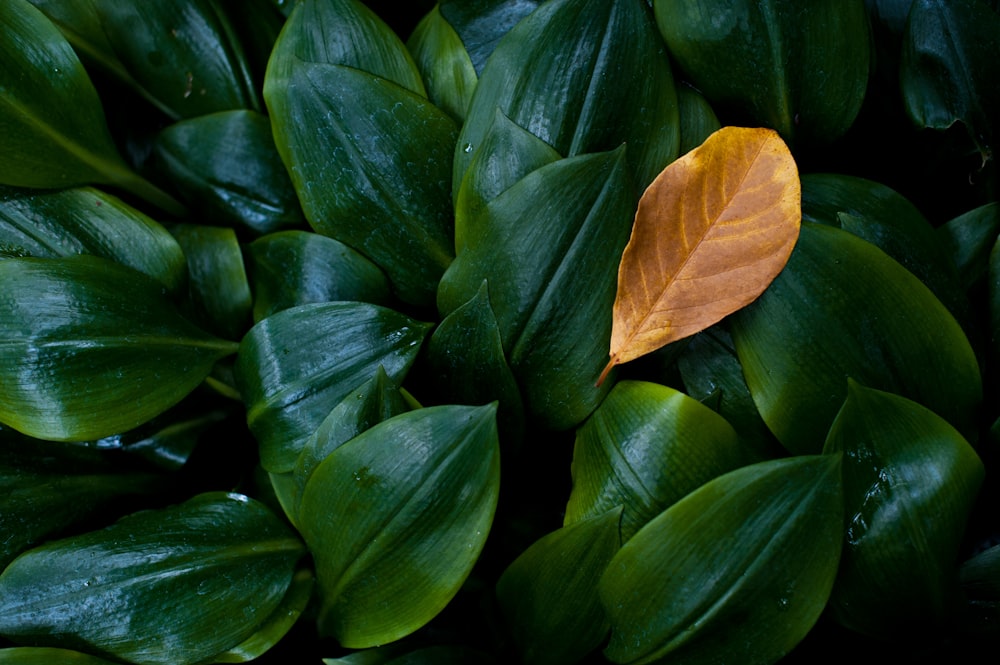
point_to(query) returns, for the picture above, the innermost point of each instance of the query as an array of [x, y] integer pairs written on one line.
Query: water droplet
[[783, 604], [468, 148]]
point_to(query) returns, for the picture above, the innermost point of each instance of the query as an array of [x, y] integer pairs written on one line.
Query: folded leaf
[[226, 166], [93, 348], [482, 23], [548, 595], [645, 448], [800, 71], [547, 248], [736, 572], [947, 70], [444, 64], [711, 232], [172, 586], [407, 503], [295, 366], [83, 220], [968, 239], [842, 308], [55, 132], [617, 89], [910, 482]]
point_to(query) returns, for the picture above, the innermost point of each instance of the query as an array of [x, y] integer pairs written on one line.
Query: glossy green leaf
[[645, 448], [295, 366], [370, 162], [92, 348], [712, 374], [83, 220], [889, 221], [340, 32], [375, 400], [948, 67], [197, 67], [480, 24], [171, 586], [507, 154], [584, 76], [55, 132], [47, 656], [290, 268], [552, 284], [842, 308], [910, 481], [277, 625], [45, 489], [217, 282], [736, 572], [968, 239], [408, 503], [800, 70], [697, 119], [444, 64], [466, 364], [980, 578], [227, 167], [548, 595]]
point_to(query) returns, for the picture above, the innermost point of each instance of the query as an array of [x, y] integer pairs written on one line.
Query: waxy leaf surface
[[736, 572], [910, 481], [711, 233], [171, 587], [444, 63], [93, 348], [396, 518]]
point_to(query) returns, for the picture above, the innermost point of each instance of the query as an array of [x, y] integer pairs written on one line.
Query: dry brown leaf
[[711, 232]]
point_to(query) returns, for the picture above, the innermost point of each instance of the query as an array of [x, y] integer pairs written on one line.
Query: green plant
[[305, 355]]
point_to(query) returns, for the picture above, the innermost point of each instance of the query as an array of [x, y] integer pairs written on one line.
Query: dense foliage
[[304, 308]]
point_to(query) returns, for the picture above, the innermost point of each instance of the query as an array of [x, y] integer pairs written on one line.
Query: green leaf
[[980, 577], [697, 119], [217, 280], [277, 625], [44, 491], [161, 66], [548, 595], [712, 374], [968, 239], [370, 162], [83, 220], [799, 70], [889, 221], [407, 503], [507, 154], [948, 67], [375, 400], [171, 586], [444, 64], [552, 284], [736, 572], [645, 448], [910, 481], [92, 348], [227, 167], [481, 24], [291, 268], [295, 366], [47, 656], [842, 308], [340, 32], [55, 132], [584, 76], [466, 364]]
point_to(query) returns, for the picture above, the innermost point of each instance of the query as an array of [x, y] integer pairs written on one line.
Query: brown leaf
[[711, 232]]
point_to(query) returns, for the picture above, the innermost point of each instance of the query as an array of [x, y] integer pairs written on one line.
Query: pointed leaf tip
[[711, 233]]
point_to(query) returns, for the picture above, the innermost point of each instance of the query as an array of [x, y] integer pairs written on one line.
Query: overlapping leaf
[[444, 64], [174, 586], [711, 232], [408, 503], [738, 571], [93, 348]]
